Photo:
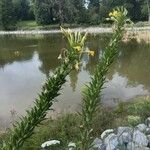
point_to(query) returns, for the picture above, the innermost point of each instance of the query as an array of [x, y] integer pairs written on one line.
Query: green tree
[[62, 11], [94, 4], [134, 8], [22, 9], [93, 10], [146, 10], [7, 15], [80, 12], [56, 11], [43, 11], [0, 14]]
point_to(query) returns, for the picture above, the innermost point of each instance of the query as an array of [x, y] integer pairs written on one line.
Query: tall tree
[[0, 14], [60, 11], [134, 9], [94, 4], [43, 11], [7, 15], [148, 9], [93, 11], [80, 12], [22, 9]]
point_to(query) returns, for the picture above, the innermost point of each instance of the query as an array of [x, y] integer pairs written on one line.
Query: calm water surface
[[25, 61]]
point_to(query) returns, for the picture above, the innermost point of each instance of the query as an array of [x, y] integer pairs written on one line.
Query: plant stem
[[91, 95]]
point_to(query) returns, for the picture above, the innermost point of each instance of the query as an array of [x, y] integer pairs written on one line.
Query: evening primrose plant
[[70, 59], [92, 91], [76, 43]]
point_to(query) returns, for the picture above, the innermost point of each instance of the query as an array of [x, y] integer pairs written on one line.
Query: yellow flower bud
[[115, 13], [110, 14], [92, 53], [78, 48], [77, 66]]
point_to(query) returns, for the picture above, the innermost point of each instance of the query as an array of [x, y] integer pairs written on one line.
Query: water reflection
[[25, 61], [119, 88]]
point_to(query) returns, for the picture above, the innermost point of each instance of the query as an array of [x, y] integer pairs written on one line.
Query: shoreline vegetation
[[64, 127], [138, 33], [31, 27], [92, 29]]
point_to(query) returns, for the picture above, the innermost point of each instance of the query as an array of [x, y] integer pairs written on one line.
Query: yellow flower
[[78, 48], [77, 66], [17, 53], [92, 53], [110, 14], [115, 13]]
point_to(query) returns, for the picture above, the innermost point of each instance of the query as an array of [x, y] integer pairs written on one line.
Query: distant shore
[[81, 29]]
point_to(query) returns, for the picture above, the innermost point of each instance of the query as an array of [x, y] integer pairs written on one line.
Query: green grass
[[142, 24], [66, 127], [32, 25], [27, 25]]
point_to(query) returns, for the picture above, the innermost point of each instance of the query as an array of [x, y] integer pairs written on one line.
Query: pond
[[26, 61]]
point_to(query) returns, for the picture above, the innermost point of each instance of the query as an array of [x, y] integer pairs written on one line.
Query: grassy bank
[[32, 25], [65, 127]]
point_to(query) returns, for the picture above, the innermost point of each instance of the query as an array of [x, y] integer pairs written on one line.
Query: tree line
[[46, 12]]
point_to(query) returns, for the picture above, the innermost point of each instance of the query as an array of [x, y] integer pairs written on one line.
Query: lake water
[[25, 61]]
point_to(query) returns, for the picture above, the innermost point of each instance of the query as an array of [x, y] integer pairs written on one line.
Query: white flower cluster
[[71, 145]]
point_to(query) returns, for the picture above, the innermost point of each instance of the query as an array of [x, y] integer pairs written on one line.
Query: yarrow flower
[[49, 143], [71, 144], [106, 133]]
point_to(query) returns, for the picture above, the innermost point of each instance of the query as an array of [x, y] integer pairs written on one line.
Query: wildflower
[[17, 53], [110, 14], [81, 126], [114, 14], [91, 53], [71, 144], [77, 66], [55, 76], [66, 60], [106, 133], [49, 143], [60, 57], [78, 48]]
